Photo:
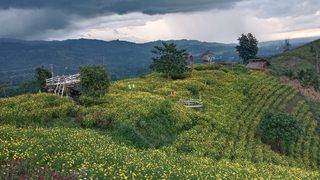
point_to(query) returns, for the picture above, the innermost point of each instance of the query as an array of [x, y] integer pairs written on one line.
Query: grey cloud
[[282, 8], [23, 23], [97, 7], [34, 19]]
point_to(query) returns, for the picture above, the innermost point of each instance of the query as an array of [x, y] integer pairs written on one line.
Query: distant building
[[258, 63]]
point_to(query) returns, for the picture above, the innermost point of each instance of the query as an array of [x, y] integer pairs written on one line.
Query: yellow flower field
[[146, 133]]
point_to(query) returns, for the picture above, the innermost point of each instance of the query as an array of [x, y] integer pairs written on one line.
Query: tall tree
[[286, 44], [3, 86], [171, 60], [94, 81], [248, 47], [41, 75], [315, 50]]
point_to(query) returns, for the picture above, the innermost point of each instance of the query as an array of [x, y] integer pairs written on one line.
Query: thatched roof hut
[[257, 63]]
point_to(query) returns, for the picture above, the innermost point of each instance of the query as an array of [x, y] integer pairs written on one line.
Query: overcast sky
[[150, 20]]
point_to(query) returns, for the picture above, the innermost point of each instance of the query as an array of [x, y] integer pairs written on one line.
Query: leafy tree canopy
[[3, 86], [41, 75], [286, 44], [94, 80], [248, 47], [171, 60], [30, 86], [280, 127]]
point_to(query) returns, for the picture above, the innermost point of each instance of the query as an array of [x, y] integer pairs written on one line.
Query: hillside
[[125, 59], [146, 133], [295, 60], [19, 58]]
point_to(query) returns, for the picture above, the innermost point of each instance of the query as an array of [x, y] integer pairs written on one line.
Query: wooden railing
[[58, 80], [191, 102]]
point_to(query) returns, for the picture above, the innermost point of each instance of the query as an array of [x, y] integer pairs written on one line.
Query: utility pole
[[52, 73]]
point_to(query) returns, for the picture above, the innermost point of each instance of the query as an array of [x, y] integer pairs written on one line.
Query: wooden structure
[[192, 103], [190, 56], [207, 57], [58, 84], [258, 63]]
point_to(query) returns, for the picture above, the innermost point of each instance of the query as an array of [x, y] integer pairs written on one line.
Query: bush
[[289, 73], [143, 76], [193, 89], [225, 70], [178, 76], [280, 128], [86, 101], [237, 70], [207, 67]]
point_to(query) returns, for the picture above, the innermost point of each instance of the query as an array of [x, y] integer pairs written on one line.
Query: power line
[[36, 67]]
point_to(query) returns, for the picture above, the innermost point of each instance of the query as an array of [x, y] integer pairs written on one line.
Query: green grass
[[295, 59]]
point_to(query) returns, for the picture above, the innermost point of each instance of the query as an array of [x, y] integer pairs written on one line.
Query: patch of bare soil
[[309, 92]]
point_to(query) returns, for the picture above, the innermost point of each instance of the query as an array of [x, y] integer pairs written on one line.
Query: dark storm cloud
[[34, 19], [21, 24], [97, 7]]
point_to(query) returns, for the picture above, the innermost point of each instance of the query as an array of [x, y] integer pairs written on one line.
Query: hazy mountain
[[19, 58]]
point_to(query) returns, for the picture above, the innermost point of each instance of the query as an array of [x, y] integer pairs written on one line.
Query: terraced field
[[146, 133]]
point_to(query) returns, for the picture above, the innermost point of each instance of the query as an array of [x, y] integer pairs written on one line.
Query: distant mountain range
[[19, 58]]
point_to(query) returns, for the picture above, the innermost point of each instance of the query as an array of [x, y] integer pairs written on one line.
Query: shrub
[[280, 128], [142, 76], [178, 76], [86, 101], [289, 73], [207, 67], [193, 89], [225, 70]]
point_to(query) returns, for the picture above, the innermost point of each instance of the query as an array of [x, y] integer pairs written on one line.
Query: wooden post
[[52, 74]]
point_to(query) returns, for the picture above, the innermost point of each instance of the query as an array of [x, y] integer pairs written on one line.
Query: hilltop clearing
[[146, 133]]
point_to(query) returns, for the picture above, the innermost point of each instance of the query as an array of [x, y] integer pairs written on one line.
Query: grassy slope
[[296, 59], [220, 142]]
